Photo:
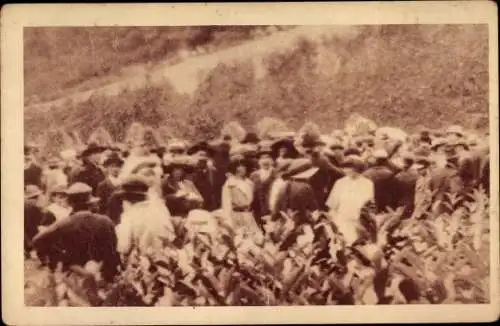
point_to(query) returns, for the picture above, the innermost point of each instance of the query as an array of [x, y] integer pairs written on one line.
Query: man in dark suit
[[106, 188], [32, 171], [207, 177], [89, 173], [295, 194], [262, 179], [383, 180], [82, 237], [405, 183]]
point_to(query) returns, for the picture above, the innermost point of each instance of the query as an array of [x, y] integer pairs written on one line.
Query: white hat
[[455, 129], [380, 153]]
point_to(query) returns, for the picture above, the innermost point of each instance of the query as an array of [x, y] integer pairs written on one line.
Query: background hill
[[403, 75]]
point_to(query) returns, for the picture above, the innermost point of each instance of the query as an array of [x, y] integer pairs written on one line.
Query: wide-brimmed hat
[[246, 150], [455, 129], [60, 189], [32, 191], [184, 162], [301, 168], [380, 153], [113, 159], [288, 144], [352, 151], [355, 162], [238, 160], [82, 193], [421, 157], [92, 148], [54, 162], [265, 148], [177, 145], [132, 185], [201, 147], [251, 138], [438, 142], [309, 141]]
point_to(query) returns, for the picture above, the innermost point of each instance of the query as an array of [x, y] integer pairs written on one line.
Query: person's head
[[60, 198], [461, 148], [113, 165], [353, 166], [132, 190], [35, 195], [282, 152], [238, 166], [149, 171], [265, 160], [80, 197], [454, 133], [92, 154], [380, 156]]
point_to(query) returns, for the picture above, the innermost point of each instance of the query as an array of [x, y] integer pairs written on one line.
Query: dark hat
[[287, 143], [460, 142], [113, 159], [53, 162], [82, 193], [92, 148], [238, 160], [336, 145], [300, 168], [32, 191], [265, 148], [354, 161], [201, 146], [251, 138], [352, 151], [309, 140], [133, 185], [422, 156]]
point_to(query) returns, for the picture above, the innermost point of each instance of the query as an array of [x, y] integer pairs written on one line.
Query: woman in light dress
[[237, 196], [348, 197]]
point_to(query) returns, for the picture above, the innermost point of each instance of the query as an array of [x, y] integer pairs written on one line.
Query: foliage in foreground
[[428, 259]]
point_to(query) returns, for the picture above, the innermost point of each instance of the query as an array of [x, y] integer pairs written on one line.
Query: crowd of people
[[102, 201]]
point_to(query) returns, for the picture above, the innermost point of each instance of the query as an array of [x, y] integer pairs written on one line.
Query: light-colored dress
[[347, 198], [237, 196], [145, 225]]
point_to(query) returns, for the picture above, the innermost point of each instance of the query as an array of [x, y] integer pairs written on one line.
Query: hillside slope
[[404, 75]]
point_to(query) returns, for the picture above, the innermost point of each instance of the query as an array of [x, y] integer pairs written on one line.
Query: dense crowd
[[105, 203]]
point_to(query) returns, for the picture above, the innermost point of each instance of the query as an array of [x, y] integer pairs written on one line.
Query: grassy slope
[[405, 76]]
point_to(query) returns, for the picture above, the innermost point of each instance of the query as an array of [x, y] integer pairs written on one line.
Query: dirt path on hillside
[[186, 75]]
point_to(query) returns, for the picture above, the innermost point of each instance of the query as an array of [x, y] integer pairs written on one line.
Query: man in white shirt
[[347, 198]]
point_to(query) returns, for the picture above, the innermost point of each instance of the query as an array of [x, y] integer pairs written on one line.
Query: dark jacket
[[322, 182], [209, 182], [88, 173], [34, 217], [262, 189], [404, 195], [384, 185], [82, 237], [33, 175], [179, 206], [297, 197], [104, 191]]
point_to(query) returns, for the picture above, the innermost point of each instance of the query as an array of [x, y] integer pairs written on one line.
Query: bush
[[405, 76], [434, 259]]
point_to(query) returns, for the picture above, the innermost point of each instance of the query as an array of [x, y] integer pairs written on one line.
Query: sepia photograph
[[256, 165]]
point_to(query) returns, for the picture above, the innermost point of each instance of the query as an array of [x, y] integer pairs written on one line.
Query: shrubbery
[[406, 76], [432, 259]]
